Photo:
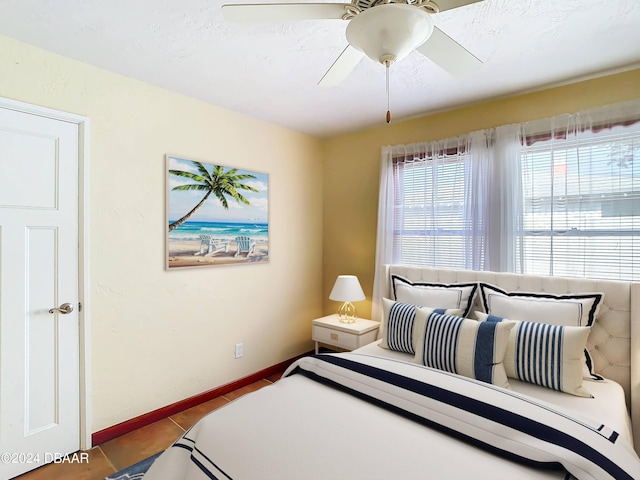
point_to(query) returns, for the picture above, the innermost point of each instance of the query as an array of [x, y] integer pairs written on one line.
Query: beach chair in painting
[[245, 244], [211, 246]]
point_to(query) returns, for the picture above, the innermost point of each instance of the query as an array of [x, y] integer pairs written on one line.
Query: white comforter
[[362, 427]]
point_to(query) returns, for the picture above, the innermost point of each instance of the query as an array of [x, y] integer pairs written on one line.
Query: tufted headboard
[[614, 342]]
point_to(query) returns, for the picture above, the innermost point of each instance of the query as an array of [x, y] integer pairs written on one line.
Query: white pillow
[[397, 326], [573, 310], [545, 354], [434, 295], [462, 346]]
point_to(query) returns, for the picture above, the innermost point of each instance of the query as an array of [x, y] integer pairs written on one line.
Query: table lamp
[[347, 289]]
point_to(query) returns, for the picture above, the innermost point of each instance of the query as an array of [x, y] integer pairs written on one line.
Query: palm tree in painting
[[217, 182]]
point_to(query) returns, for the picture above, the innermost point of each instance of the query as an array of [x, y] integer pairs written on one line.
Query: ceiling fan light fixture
[[389, 30]]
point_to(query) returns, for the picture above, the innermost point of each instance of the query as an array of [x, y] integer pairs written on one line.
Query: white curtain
[[384, 239], [504, 199], [468, 158], [554, 196], [478, 211]]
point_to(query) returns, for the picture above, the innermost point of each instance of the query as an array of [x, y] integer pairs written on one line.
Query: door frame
[[83, 254]]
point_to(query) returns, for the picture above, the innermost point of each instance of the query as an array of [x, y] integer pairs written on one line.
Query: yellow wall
[[352, 166], [161, 336]]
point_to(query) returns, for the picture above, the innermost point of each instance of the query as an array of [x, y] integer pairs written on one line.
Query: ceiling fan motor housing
[[388, 31]]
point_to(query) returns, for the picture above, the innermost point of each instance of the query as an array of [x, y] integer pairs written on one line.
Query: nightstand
[[349, 336]]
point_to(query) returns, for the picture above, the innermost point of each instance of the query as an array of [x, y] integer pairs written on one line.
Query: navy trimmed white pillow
[[544, 354], [462, 346], [397, 326], [574, 310], [440, 295]]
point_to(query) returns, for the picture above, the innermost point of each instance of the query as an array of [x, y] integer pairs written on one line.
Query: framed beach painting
[[216, 215]]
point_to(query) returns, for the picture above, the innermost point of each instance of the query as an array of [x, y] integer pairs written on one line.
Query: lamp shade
[[390, 31], [347, 289]]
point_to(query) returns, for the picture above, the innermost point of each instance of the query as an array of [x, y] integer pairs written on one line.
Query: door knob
[[63, 309]]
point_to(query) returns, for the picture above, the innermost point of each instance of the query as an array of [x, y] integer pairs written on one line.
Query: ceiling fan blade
[[341, 68], [445, 52], [283, 11], [444, 5]]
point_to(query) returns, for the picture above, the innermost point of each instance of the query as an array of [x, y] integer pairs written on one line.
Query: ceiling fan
[[384, 30]]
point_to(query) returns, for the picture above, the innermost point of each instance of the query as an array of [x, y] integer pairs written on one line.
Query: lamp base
[[347, 313]]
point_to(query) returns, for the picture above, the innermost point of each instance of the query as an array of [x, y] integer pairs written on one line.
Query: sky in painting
[[181, 202]]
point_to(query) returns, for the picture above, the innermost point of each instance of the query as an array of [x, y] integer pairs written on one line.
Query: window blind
[[432, 226], [581, 206]]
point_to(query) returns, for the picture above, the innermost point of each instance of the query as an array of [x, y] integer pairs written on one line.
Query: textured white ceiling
[[270, 71]]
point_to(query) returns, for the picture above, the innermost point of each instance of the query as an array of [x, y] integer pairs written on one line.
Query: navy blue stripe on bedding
[[484, 361], [203, 469], [197, 463], [590, 366], [189, 445], [607, 433], [491, 412], [428, 423]]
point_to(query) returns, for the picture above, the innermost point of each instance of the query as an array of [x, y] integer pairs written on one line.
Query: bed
[[376, 414]]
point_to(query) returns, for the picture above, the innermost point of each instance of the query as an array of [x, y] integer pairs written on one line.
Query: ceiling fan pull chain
[[387, 63]]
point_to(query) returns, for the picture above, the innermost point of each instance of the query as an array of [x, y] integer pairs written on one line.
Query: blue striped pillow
[[547, 355], [397, 328], [462, 346]]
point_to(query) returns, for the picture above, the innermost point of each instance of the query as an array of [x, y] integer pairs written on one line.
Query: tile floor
[[119, 453]]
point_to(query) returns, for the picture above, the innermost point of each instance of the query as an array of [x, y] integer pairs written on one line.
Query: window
[[581, 206], [433, 225], [559, 196]]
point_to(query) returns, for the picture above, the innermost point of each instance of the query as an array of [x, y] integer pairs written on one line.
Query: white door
[[39, 350]]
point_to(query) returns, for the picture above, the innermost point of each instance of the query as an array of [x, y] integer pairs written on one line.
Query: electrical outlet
[[239, 350]]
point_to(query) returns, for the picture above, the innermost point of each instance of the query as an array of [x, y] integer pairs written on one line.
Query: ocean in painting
[[190, 231]]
